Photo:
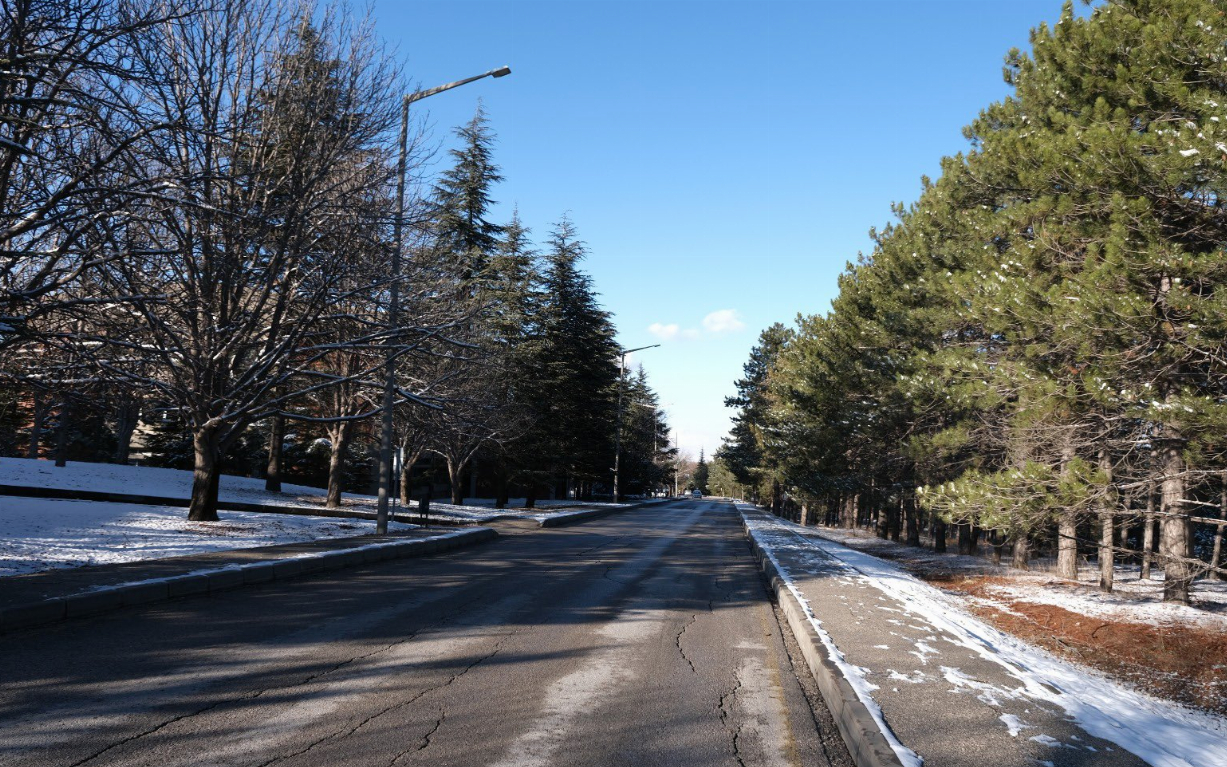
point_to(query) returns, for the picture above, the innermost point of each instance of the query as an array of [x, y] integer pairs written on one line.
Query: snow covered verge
[[43, 534], [175, 483], [1155, 730], [1132, 600]]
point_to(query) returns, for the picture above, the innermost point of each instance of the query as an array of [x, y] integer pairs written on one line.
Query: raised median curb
[[571, 517], [857, 726], [228, 577]]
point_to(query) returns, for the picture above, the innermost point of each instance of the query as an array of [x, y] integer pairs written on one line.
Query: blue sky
[[722, 160]]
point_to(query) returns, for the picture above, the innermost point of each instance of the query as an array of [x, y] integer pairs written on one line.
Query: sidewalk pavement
[[29, 600], [948, 689]]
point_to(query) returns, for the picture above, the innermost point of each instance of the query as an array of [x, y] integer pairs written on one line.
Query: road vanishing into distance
[[643, 638]]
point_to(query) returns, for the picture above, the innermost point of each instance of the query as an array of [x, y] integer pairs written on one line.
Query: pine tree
[[462, 200], [577, 373], [701, 474]]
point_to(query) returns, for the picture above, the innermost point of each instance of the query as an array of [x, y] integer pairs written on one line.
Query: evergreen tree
[[462, 201], [1039, 338], [701, 474], [577, 371]]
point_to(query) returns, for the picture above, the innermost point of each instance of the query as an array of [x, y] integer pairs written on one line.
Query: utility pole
[[389, 373]]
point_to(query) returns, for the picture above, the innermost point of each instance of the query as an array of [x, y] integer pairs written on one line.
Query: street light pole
[[618, 433], [389, 373]]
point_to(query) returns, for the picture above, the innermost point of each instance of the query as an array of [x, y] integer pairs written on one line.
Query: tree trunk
[[61, 433], [1107, 560], [125, 423], [1216, 555], [965, 533], [1107, 532], [1148, 532], [911, 511], [997, 541], [881, 526], [276, 445], [41, 407], [338, 435], [1175, 541], [473, 479], [455, 476], [939, 536], [205, 477], [1067, 523], [1067, 546], [502, 493], [530, 496], [1022, 553]]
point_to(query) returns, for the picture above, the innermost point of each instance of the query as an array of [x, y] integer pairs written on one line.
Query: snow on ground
[[140, 480], [176, 483], [43, 534], [1132, 600], [1157, 731]]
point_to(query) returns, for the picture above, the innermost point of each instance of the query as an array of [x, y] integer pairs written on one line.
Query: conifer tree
[[701, 473], [576, 368]]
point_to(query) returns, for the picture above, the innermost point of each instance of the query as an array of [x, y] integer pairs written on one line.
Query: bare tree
[[67, 123], [276, 143]]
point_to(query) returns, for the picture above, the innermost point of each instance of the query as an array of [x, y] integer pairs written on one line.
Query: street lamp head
[[501, 72], [625, 352]]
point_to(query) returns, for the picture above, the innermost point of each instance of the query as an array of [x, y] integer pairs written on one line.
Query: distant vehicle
[[695, 493]]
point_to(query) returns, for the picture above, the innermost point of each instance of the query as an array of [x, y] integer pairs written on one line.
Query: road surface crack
[[253, 694], [158, 727], [349, 731], [608, 577], [726, 713], [424, 743], [678, 641]]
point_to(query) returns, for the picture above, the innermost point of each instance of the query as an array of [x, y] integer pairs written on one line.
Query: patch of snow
[[39, 534], [1014, 724], [1048, 740], [176, 483]]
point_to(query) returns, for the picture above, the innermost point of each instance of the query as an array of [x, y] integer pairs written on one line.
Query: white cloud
[[723, 321], [664, 332], [716, 323]]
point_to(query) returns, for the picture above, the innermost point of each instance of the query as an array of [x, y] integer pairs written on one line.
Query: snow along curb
[[865, 740], [215, 579], [571, 517]]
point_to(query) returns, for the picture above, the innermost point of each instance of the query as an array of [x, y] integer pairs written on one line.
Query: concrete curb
[[865, 741], [571, 517], [228, 577]]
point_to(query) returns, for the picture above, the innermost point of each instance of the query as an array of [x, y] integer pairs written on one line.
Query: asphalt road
[[643, 638]]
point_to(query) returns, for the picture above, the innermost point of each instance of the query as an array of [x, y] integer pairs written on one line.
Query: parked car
[[695, 493]]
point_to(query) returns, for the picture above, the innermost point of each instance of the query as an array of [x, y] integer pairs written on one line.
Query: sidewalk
[[945, 688], [29, 600]]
